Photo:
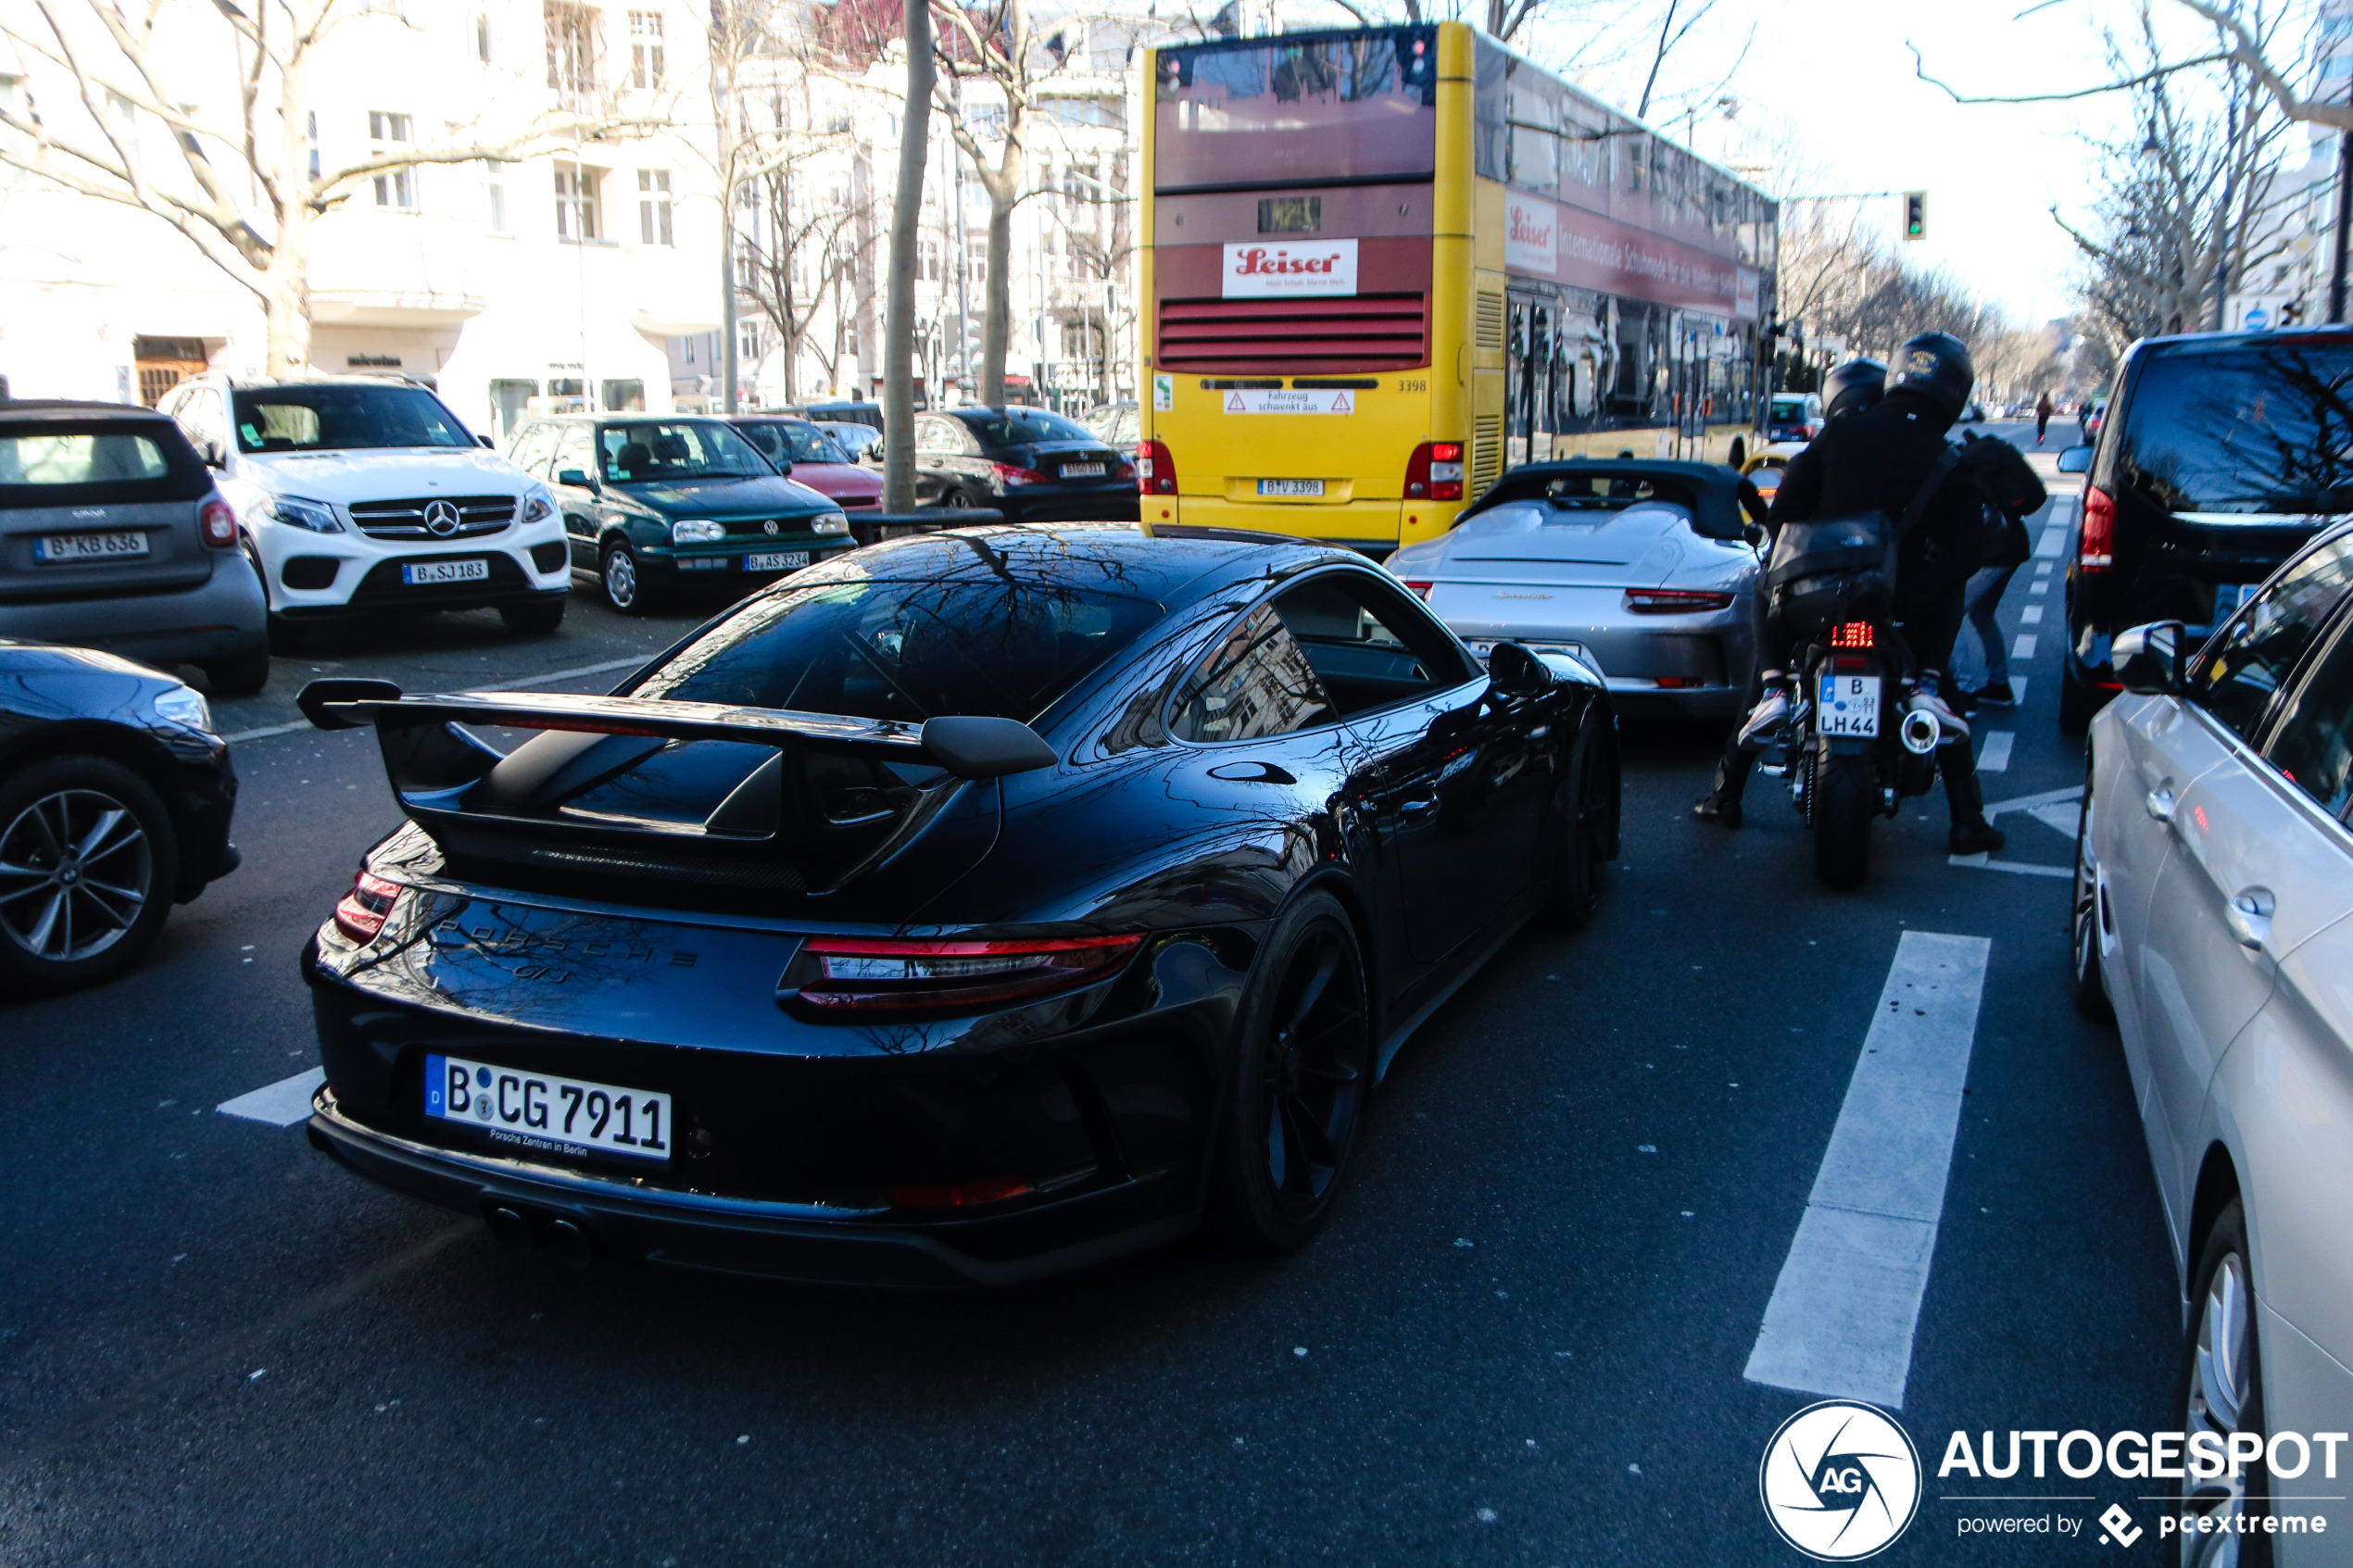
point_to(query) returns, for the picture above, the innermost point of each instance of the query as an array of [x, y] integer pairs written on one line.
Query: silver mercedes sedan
[[1644, 569]]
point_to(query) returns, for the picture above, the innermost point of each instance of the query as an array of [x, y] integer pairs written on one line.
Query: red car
[[817, 459]]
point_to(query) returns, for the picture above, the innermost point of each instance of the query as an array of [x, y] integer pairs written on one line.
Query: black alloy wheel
[[617, 570], [1302, 1073], [1583, 807], [2085, 986], [88, 864], [536, 619], [2223, 1383]]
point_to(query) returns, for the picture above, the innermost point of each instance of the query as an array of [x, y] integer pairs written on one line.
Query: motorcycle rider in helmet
[[1873, 456]]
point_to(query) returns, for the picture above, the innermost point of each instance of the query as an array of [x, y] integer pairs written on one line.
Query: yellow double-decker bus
[[1383, 265]]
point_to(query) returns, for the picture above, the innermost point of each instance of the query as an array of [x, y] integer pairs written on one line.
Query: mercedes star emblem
[[441, 518]]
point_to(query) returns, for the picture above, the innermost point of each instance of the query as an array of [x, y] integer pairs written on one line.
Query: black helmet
[[1936, 365], [1854, 387]]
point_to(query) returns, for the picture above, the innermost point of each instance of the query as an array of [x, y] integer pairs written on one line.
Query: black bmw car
[[115, 801], [1031, 465], [976, 907]]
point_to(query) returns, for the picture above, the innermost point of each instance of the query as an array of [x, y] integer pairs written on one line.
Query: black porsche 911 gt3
[[973, 906]]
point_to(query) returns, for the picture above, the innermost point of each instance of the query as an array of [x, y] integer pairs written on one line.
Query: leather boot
[[1971, 833]]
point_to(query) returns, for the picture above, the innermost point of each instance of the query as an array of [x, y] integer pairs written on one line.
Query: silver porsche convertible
[[1646, 569]]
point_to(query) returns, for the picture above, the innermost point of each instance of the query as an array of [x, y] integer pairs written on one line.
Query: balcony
[[379, 268]]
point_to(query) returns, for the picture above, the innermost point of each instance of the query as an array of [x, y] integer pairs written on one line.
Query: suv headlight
[[186, 708], [538, 507], [829, 523], [696, 531], [316, 516]]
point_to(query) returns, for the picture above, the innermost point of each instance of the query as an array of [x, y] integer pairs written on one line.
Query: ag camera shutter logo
[[1841, 1481]]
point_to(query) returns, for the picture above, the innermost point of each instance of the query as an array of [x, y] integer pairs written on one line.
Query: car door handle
[[2248, 914], [1417, 805], [2161, 803]]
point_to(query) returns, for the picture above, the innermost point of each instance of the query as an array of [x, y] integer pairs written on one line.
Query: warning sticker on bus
[[1274, 400]]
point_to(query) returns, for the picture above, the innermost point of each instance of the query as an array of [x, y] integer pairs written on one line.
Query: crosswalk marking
[[1848, 1299]]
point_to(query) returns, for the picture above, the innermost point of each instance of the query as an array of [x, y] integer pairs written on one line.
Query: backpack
[[2001, 470]]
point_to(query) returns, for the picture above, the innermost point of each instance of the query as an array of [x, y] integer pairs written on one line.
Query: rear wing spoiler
[[969, 746]]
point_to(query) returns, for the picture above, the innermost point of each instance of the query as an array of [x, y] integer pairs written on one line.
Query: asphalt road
[[1522, 1341]]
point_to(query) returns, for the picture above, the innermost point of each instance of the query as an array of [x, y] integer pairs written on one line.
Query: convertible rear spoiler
[[834, 800]]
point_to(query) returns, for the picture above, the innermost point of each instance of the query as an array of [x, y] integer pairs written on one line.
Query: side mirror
[[784, 467], [2149, 659], [1514, 672], [2075, 459], [1753, 532], [576, 479], [978, 746], [488, 442]]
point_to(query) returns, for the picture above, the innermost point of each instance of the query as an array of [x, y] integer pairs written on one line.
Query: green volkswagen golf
[[654, 503]]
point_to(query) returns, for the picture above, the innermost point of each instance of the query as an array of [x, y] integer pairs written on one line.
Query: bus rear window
[[1361, 105]]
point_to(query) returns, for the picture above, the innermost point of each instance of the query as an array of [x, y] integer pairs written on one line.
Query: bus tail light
[[1155, 470], [1435, 472], [2095, 551]]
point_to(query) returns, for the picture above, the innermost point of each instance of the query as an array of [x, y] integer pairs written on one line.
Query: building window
[[482, 37], [494, 183], [387, 134], [572, 48], [653, 206], [687, 349], [747, 342], [927, 261], [576, 202], [644, 49]]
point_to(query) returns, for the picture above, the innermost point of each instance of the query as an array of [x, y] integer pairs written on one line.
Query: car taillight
[[1435, 472], [1155, 470], [842, 973], [1813, 428], [219, 523], [1011, 474], [364, 910], [2095, 551], [1675, 601], [1851, 634], [1419, 590]]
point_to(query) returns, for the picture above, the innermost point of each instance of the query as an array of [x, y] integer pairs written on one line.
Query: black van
[[2221, 454]]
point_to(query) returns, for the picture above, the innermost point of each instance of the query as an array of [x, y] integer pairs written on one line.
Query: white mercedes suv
[[359, 495]]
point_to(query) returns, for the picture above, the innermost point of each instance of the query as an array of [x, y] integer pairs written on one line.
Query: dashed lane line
[[1996, 757], [529, 681], [1847, 1303], [2024, 647], [281, 1104]]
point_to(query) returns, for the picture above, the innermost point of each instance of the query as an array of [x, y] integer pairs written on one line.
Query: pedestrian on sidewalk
[[2042, 417]]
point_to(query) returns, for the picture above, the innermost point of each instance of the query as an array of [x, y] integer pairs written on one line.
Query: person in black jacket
[[1876, 462]]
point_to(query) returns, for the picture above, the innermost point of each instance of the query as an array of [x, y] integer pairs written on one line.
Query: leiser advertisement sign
[[1588, 251], [1289, 269]]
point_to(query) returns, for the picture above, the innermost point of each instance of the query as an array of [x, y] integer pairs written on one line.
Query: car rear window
[[794, 444], [54, 465], [1026, 426], [2264, 428], [907, 650]]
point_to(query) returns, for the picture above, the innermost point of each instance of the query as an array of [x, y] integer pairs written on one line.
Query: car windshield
[[905, 650], [792, 444], [332, 418], [2266, 428], [661, 450], [1026, 427]]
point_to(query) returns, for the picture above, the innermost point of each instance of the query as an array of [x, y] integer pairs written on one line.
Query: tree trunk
[[898, 379], [997, 329], [285, 297]]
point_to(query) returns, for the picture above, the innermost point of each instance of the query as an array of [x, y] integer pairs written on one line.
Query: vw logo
[[1841, 1480], [770, 526], [441, 518]]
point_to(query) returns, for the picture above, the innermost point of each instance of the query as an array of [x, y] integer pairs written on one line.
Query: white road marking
[[1983, 863], [2028, 802], [2018, 690], [281, 1104], [523, 684], [2030, 616], [2024, 647], [1848, 1300], [1996, 757], [2039, 586], [2059, 816]]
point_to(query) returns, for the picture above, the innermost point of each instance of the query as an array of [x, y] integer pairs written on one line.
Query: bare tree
[[245, 193]]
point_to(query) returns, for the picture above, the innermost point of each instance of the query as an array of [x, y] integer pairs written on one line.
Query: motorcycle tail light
[[1435, 472], [1155, 470], [219, 524], [362, 911], [1852, 635], [2095, 551], [1675, 601], [862, 974]]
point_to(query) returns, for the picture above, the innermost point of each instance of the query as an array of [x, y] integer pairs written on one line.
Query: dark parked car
[[653, 503], [1029, 464], [992, 902], [115, 797], [2224, 453], [112, 535]]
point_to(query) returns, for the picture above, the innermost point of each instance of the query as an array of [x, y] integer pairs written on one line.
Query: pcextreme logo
[[1840, 1481]]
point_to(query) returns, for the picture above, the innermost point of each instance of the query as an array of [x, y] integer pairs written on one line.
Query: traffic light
[[1916, 215]]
